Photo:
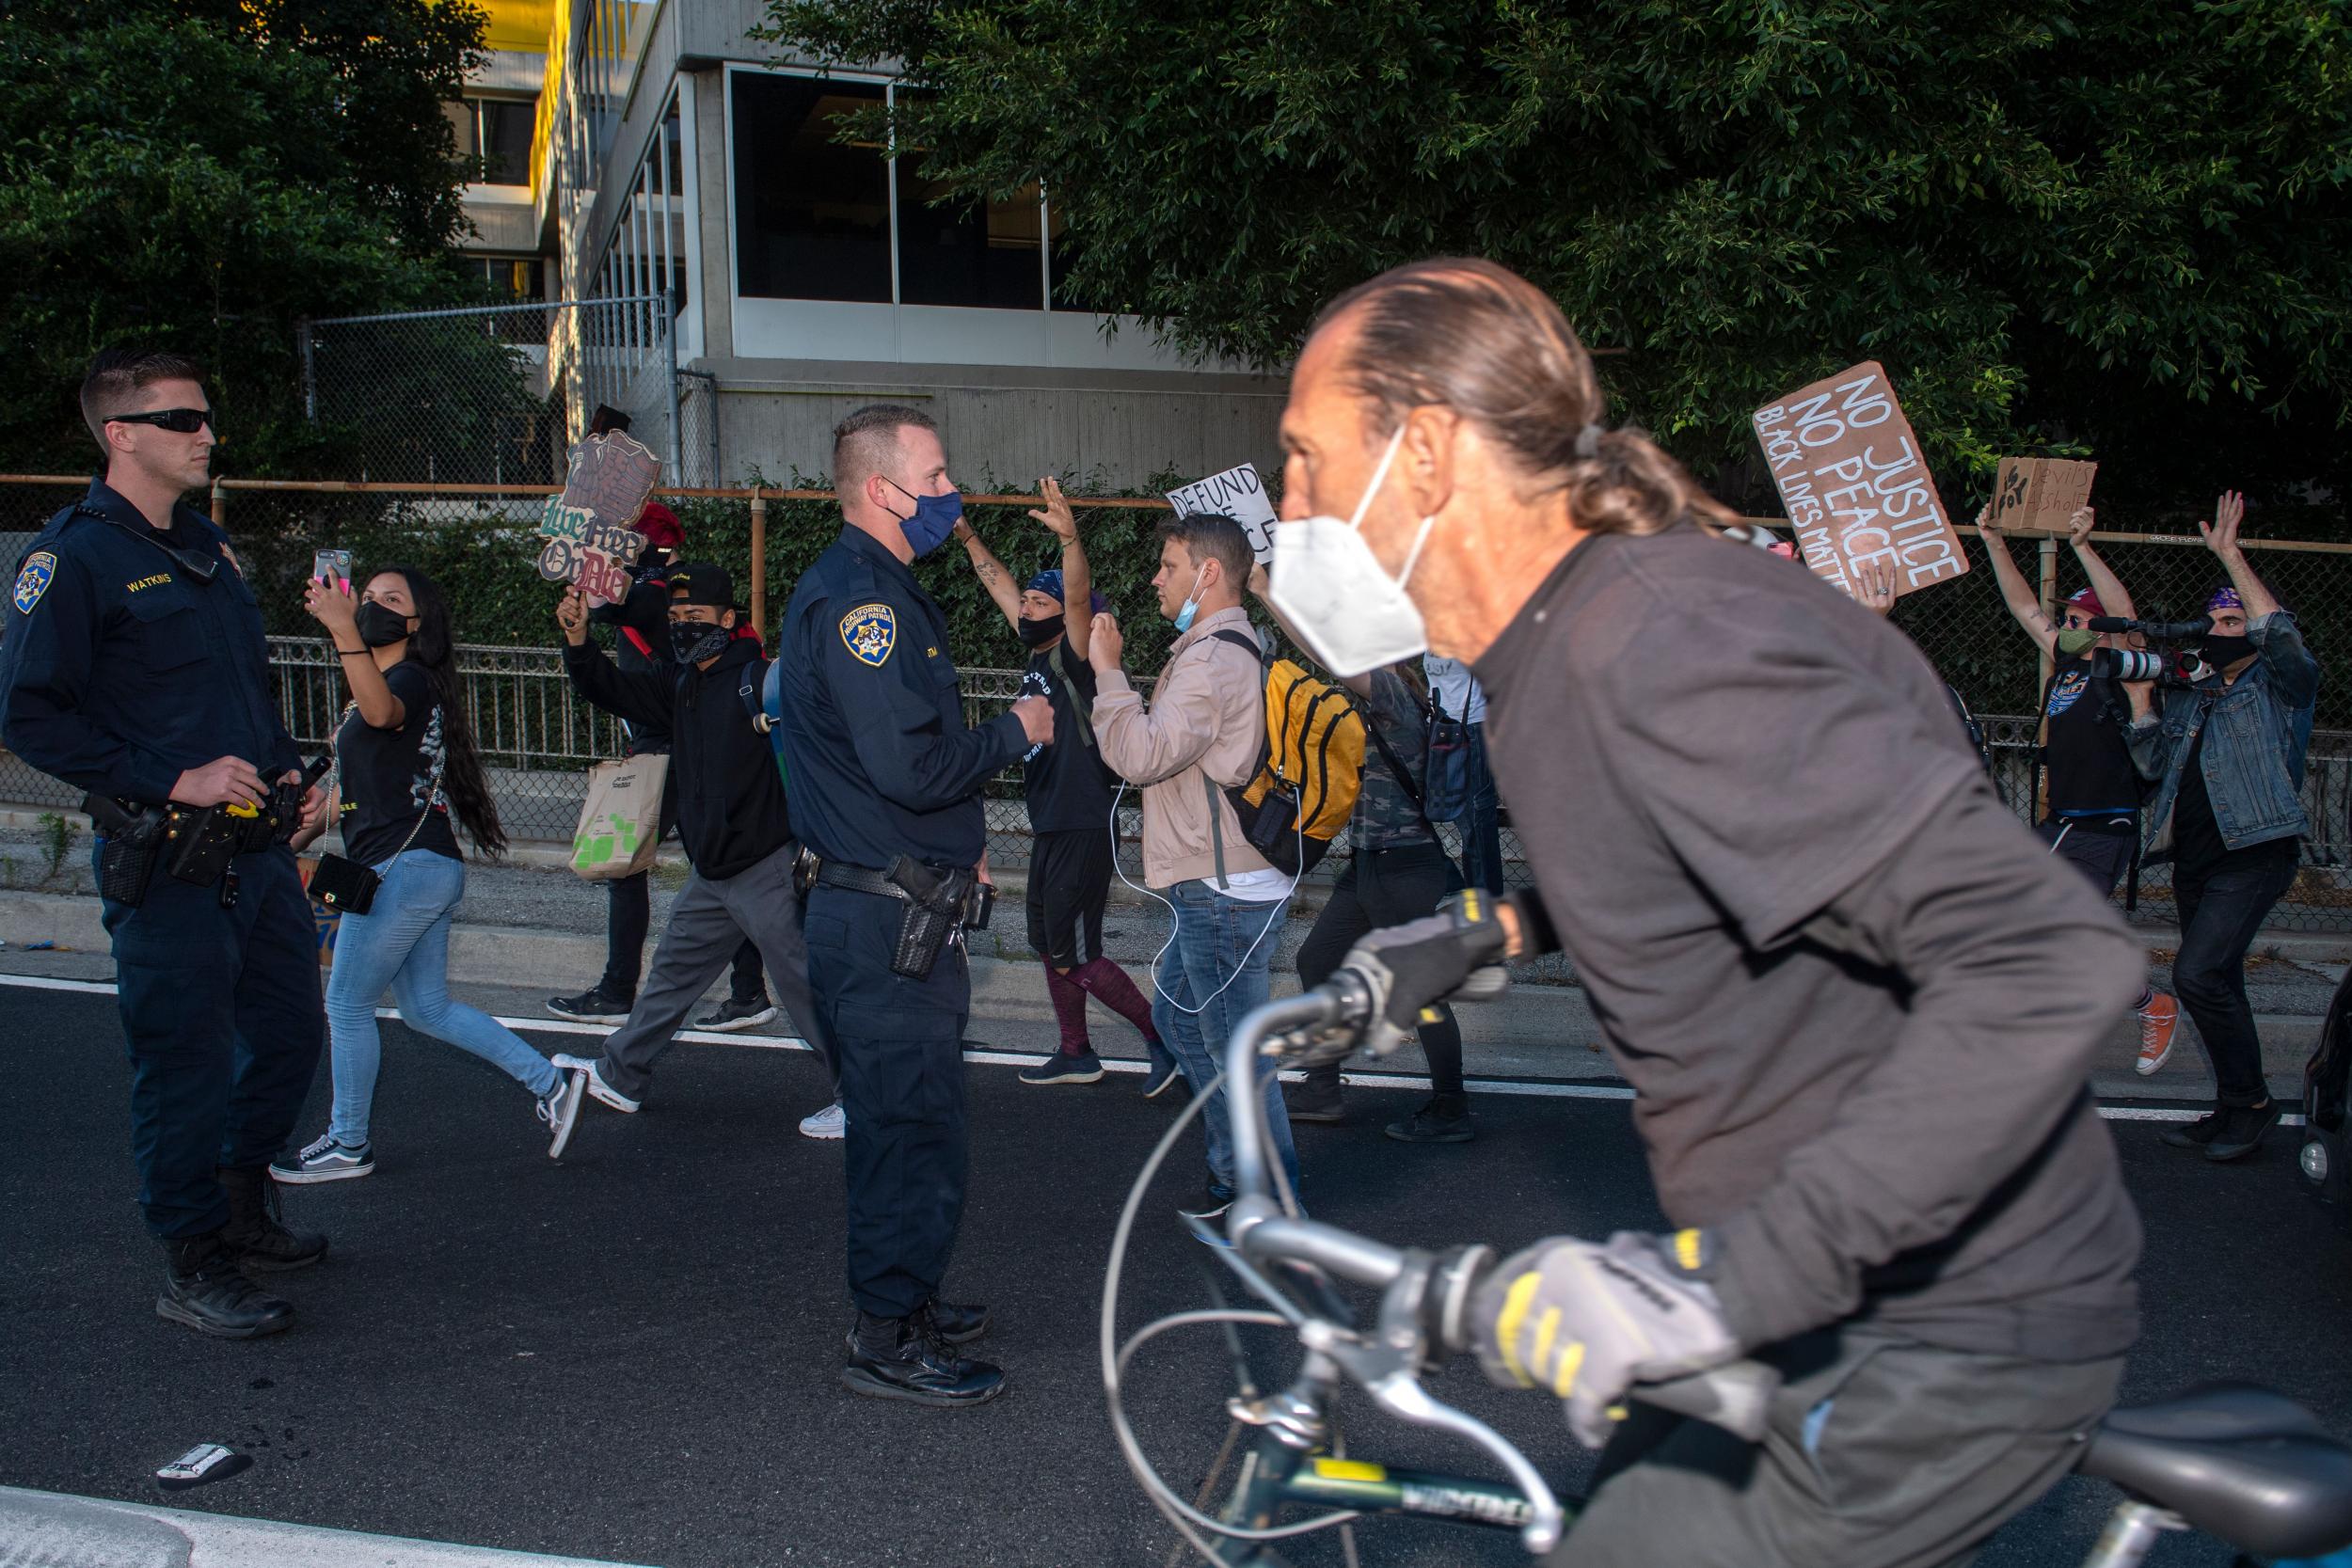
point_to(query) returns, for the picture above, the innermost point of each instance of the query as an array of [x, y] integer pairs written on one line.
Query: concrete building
[[653, 150]]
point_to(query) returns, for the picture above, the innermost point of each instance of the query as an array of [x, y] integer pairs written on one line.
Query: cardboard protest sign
[[2036, 495], [1856, 489], [1238, 494], [589, 542]]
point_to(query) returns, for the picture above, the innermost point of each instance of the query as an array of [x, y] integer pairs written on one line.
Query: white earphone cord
[[1174, 919]]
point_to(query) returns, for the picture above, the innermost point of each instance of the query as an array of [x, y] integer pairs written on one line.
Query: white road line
[[1526, 1089]]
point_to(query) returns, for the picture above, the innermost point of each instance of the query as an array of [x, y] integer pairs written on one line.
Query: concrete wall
[[1004, 426]]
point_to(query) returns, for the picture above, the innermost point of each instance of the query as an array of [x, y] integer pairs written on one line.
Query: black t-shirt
[[1065, 781], [387, 776], [1857, 998], [2092, 781], [2197, 840]]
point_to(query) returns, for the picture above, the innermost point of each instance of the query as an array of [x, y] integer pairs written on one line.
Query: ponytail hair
[[1477, 338], [430, 649]]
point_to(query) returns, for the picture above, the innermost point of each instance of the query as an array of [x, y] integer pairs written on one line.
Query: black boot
[[957, 1326], [1445, 1120], [205, 1289], [902, 1358], [254, 1235]]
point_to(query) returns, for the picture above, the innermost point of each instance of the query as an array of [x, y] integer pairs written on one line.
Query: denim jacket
[[2254, 760]]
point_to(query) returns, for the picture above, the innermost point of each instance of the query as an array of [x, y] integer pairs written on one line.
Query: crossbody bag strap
[[1216, 826], [431, 800], [1404, 775], [1078, 704]]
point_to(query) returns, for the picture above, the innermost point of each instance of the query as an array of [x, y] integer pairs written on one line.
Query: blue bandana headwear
[[1048, 582], [2224, 597]]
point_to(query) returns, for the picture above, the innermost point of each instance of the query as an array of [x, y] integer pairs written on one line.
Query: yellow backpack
[[1309, 770]]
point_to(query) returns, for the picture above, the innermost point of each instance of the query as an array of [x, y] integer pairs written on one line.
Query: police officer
[[885, 794], [134, 667]]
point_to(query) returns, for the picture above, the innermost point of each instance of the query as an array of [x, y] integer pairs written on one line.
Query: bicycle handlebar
[[1735, 1397]]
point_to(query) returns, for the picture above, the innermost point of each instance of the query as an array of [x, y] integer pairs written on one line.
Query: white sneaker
[[831, 1122], [559, 1110], [604, 1093]]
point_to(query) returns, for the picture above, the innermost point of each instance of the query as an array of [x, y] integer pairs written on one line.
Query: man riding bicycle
[[1856, 999]]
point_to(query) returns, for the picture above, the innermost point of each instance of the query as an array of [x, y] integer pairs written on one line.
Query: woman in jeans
[[404, 762]]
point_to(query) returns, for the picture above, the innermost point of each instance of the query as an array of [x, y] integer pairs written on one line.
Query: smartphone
[[332, 566]]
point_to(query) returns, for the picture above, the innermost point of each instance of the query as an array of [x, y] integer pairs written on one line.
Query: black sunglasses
[[180, 421]]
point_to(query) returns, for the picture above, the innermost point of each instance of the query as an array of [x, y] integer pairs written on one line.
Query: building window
[[986, 256], [515, 280], [497, 131], [812, 216]]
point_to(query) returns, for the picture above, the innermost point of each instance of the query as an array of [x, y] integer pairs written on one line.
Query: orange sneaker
[[2157, 1020]]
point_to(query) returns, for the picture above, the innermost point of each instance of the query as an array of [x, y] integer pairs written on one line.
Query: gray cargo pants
[[1882, 1453], [710, 920]]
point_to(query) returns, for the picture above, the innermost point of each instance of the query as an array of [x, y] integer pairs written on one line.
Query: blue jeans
[[403, 943], [1213, 934], [1481, 831]]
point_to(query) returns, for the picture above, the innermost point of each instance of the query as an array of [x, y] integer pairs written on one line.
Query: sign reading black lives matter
[[589, 542], [1238, 494], [1856, 489]]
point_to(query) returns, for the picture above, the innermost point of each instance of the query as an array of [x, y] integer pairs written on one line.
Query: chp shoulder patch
[[41, 569], [870, 632]]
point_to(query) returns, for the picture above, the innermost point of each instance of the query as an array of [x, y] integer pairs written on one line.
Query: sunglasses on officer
[[180, 421]]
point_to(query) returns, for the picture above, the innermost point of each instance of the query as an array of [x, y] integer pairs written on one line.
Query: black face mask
[[2222, 652], [691, 641], [379, 626], [1035, 634]]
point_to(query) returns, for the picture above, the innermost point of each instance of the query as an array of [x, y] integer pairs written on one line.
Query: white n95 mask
[[1337, 596]]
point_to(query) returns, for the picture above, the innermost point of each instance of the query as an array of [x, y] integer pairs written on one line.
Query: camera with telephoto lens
[[2165, 660]]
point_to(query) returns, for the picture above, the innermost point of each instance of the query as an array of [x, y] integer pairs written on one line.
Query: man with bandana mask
[[2092, 821], [1068, 794], [732, 822], [2226, 752], [886, 781]]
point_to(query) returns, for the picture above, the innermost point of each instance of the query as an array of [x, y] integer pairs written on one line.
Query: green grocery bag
[[620, 822]]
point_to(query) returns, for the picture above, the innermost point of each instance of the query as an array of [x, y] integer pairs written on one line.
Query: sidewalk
[[1536, 1031]]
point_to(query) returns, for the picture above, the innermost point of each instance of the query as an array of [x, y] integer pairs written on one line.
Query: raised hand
[[1105, 644], [1874, 587], [1986, 527], [330, 606], [2220, 534], [571, 613], [1057, 514], [2078, 527]]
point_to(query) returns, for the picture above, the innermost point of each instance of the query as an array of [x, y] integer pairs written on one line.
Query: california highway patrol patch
[[870, 632], [33, 581]]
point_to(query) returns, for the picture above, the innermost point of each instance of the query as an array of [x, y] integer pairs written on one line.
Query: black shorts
[[2093, 845], [1070, 881]]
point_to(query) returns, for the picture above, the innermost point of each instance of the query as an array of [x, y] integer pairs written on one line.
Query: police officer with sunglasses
[[133, 666]]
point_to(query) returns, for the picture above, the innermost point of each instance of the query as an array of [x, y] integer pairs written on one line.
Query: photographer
[[2092, 820], [2229, 815]]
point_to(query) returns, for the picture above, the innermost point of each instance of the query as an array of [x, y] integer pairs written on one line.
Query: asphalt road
[[630, 1355]]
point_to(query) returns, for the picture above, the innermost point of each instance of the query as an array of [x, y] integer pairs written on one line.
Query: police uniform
[[132, 654], [883, 766]]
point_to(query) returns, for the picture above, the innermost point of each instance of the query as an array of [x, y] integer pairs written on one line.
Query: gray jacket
[[2254, 760]]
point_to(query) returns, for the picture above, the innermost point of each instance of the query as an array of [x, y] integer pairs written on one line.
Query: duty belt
[[856, 879]]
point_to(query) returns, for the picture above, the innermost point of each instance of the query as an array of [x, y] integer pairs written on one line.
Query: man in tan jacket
[[1205, 729]]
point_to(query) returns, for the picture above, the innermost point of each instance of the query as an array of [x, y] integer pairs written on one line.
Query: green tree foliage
[[2069, 225], [199, 174]]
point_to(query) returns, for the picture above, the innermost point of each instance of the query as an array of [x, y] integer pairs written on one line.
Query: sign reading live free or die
[[1851, 475]]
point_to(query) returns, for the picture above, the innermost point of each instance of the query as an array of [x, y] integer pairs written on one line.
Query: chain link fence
[[498, 395]]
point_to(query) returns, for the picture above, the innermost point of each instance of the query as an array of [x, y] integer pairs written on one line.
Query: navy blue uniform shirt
[[881, 764], [120, 667]]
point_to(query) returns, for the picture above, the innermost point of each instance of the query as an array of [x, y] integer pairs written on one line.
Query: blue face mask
[[1192, 604], [935, 517]]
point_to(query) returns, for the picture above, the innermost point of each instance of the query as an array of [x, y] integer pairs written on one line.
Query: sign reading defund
[[1238, 494], [1849, 473]]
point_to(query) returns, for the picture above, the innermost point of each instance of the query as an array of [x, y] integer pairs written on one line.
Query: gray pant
[[1882, 1452], [712, 917]]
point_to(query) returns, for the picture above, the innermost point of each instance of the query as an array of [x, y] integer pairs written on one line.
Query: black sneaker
[[1316, 1100], [204, 1289], [1064, 1067], [255, 1235], [2199, 1133], [1164, 1076], [1445, 1120], [1209, 1207], [2242, 1130], [593, 1006], [901, 1358], [736, 1013]]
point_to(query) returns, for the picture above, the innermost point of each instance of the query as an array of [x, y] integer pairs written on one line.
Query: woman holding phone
[[405, 763]]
